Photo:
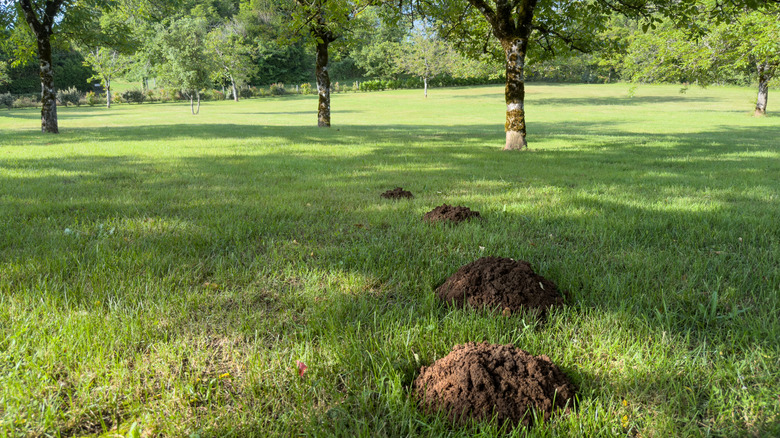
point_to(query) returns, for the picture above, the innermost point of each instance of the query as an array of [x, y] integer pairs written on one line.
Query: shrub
[[133, 96], [150, 96], [69, 96], [306, 88], [246, 93], [93, 99], [278, 89], [25, 102], [117, 98], [6, 100]]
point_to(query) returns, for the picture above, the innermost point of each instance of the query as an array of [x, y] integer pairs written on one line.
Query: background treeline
[[370, 58]]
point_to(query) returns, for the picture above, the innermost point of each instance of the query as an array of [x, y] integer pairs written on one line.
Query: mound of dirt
[[482, 380], [508, 285], [397, 193], [449, 213]]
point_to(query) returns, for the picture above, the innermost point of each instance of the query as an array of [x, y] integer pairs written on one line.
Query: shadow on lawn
[[671, 259]]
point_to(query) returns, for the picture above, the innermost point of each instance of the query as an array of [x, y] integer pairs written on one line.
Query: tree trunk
[[197, 93], [323, 84], [108, 93], [233, 85], [192, 105], [49, 122], [764, 77], [425, 86], [515, 94]]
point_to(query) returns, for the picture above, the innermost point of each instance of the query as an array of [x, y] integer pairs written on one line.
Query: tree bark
[[764, 76], [515, 94], [511, 23], [425, 86], [197, 93], [49, 121], [192, 104], [323, 83], [108, 93], [42, 28], [233, 85]]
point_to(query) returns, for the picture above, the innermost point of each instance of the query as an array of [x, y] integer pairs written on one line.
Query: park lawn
[[168, 270]]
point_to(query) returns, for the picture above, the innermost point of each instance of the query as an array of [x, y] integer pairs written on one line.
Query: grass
[[167, 270]]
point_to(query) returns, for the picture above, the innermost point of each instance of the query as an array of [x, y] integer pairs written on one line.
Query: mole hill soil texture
[[449, 213], [397, 193], [493, 282], [478, 381]]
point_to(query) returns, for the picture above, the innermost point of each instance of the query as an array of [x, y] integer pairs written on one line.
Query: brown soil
[[478, 381], [500, 283], [397, 193], [449, 213]]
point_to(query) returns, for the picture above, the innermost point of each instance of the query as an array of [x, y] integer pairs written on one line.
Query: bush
[[212, 95], [6, 100], [133, 96], [246, 92], [306, 88], [93, 99], [150, 96], [25, 102], [69, 96], [116, 98], [278, 89]]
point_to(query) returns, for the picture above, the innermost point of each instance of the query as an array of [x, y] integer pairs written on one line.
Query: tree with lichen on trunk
[[515, 29], [323, 22], [46, 21]]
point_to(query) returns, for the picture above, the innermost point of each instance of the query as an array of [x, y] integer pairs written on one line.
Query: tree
[[425, 55], [226, 44], [40, 16], [325, 21], [46, 21], [182, 59], [107, 64]]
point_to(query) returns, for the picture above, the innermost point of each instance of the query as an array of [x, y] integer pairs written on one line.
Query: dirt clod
[[397, 193], [480, 380], [500, 283], [450, 213]]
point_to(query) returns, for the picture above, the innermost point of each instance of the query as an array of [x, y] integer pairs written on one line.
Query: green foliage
[[69, 72], [277, 89], [93, 99], [133, 96], [69, 96], [106, 63], [6, 100], [180, 48]]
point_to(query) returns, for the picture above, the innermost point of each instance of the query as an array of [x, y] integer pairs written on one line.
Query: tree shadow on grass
[[670, 227]]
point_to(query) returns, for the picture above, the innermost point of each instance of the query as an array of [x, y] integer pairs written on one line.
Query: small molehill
[[449, 213], [397, 193], [500, 283], [478, 381]]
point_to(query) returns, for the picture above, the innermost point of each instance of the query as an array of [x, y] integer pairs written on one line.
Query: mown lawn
[[167, 270]]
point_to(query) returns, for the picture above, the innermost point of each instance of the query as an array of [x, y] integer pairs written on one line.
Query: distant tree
[[716, 49], [107, 64], [425, 55], [324, 22], [181, 58], [227, 46]]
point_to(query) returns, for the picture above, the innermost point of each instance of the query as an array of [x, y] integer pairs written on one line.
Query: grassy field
[[167, 270]]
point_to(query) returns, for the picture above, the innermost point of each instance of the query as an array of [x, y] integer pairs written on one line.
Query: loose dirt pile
[[477, 381], [508, 285], [449, 213], [397, 193]]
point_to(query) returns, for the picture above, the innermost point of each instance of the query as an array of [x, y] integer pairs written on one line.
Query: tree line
[[195, 44]]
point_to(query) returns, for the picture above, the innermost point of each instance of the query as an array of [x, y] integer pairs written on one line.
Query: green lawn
[[168, 270]]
